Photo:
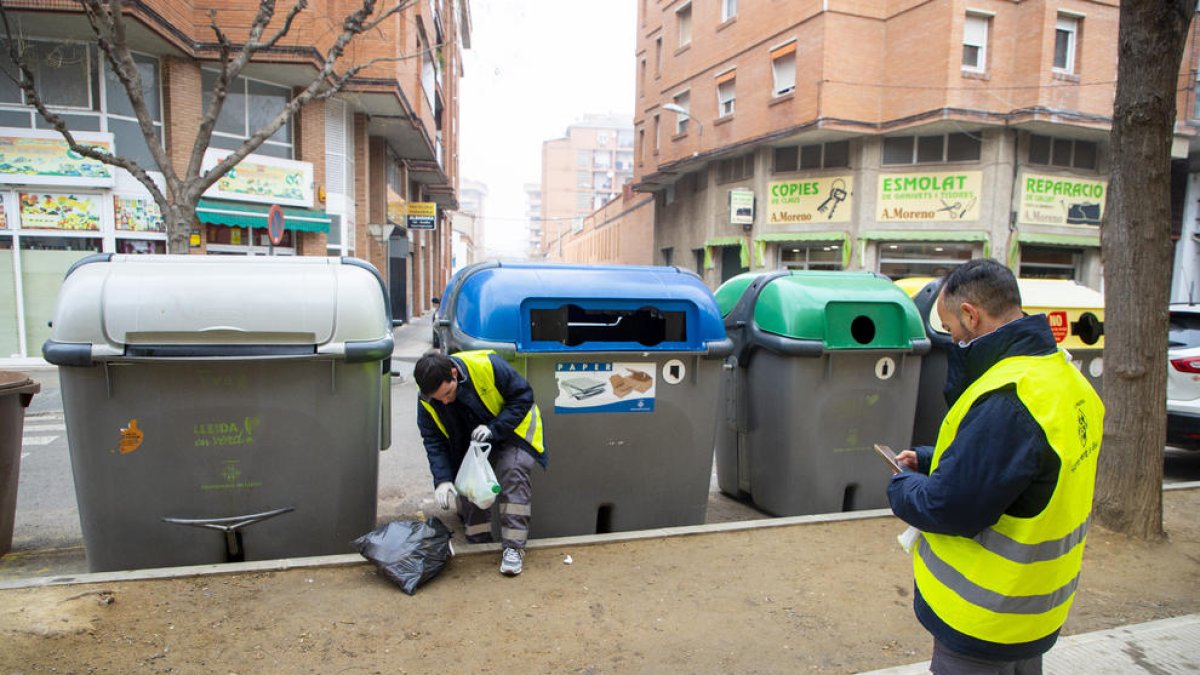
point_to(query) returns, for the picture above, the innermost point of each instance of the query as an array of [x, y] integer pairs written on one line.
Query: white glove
[[443, 493], [481, 434]]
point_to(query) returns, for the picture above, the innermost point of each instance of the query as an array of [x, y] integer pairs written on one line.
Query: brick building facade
[[900, 137], [343, 168]]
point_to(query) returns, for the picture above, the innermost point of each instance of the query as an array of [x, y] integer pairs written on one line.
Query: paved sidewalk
[[1166, 646]]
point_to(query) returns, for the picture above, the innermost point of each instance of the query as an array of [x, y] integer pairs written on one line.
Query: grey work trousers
[[946, 661], [512, 466]]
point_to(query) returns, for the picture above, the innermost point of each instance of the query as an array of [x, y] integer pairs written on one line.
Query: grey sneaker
[[511, 561]]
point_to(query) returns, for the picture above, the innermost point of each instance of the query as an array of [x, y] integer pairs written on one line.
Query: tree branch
[[230, 70], [322, 86], [109, 26], [300, 6], [26, 83]]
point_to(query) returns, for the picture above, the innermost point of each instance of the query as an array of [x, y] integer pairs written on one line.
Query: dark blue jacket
[[1000, 462], [467, 412]]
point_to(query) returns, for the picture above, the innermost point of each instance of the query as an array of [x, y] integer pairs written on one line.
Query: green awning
[[1059, 239], [718, 242], [761, 241], [236, 214], [924, 235]]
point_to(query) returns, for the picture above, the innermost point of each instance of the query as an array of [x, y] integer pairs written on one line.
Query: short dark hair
[[983, 282], [432, 370]]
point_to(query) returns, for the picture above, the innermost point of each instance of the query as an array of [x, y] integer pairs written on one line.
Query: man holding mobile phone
[[1003, 501]]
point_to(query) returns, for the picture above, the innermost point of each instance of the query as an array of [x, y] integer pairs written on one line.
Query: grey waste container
[[16, 390], [222, 409], [1076, 316], [624, 363], [824, 365]]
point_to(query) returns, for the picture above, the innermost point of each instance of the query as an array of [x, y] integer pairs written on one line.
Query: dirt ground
[[801, 598]]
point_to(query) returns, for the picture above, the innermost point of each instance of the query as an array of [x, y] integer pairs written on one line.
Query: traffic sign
[[275, 224]]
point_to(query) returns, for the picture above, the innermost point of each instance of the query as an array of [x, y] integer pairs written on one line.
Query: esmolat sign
[[1061, 200], [911, 197], [810, 200]]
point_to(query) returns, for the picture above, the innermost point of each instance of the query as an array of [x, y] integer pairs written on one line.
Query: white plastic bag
[[476, 481]]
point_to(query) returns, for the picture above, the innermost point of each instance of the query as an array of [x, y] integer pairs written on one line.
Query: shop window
[[141, 246], [243, 240], [900, 259], [957, 147], [1049, 262], [817, 256], [44, 265], [1064, 152], [250, 105]]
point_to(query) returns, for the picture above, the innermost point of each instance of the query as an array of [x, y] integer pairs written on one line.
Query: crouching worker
[[477, 396]]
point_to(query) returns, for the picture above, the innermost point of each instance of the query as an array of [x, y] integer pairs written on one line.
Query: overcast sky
[[534, 68]]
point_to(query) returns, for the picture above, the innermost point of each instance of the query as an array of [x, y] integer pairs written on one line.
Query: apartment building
[[533, 215], [343, 169], [581, 172], [899, 137], [468, 221]]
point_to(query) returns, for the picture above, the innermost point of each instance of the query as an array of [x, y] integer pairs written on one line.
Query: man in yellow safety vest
[[477, 396], [1003, 501]]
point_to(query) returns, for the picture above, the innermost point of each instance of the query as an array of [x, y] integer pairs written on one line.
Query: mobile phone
[[888, 456]]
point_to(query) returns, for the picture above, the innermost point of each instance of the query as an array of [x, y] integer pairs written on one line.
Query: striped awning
[[237, 214]]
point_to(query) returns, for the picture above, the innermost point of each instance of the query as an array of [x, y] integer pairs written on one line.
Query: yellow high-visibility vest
[[1015, 581], [483, 378]]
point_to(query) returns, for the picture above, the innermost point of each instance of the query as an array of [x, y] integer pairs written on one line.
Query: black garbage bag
[[409, 552]]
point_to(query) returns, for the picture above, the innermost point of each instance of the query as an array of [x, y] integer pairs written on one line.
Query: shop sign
[[810, 200], [33, 157], [1062, 200], [137, 214], [913, 197], [3, 217], [395, 207], [53, 211], [421, 215], [741, 207], [263, 180]]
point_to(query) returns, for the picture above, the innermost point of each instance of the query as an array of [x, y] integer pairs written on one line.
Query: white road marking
[[38, 440]]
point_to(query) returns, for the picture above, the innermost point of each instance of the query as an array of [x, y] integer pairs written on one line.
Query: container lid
[[1039, 295], [555, 307], [115, 302], [14, 382], [841, 310]]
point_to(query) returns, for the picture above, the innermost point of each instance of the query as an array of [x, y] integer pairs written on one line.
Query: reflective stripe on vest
[[1015, 581], [483, 378]]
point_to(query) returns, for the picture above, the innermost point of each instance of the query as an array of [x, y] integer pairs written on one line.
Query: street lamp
[[680, 110]]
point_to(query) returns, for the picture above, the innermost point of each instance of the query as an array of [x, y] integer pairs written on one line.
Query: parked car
[[1183, 377]]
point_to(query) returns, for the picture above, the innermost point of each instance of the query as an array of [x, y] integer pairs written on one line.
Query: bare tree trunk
[[1136, 242], [180, 218]]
